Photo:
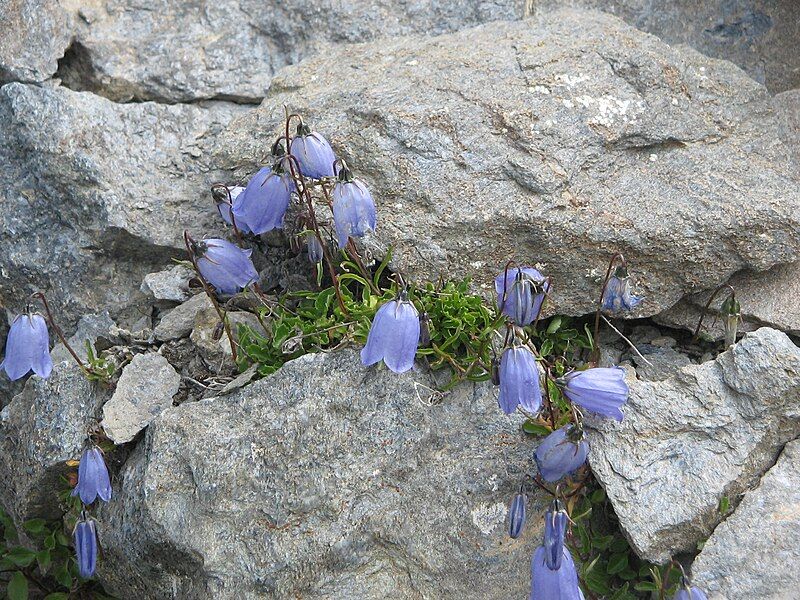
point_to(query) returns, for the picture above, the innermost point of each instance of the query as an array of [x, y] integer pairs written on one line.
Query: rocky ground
[[546, 130]]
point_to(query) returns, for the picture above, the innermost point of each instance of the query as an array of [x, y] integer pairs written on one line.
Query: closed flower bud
[[225, 266], [554, 584], [555, 528], [561, 453], [519, 380], [601, 391], [84, 537], [262, 206], [393, 336], [315, 251], [516, 515], [353, 208], [731, 313], [93, 479], [27, 347], [617, 295], [520, 294], [313, 153]]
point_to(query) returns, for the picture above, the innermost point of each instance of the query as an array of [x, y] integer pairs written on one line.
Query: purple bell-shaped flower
[[561, 453], [225, 198], [93, 479], [224, 265], [313, 153], [553, 574], [394, 335], [262, 206], [27, 347], [520, 294], [516, 515], [617, 295], [314, 247], [519, 380], [84, 537], [353, 208], [602, 390], [689, 592]]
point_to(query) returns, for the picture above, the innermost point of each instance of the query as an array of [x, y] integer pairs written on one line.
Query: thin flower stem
[[630, 343], [59, 333], [230, 205], [594, 357], [707, 306], [189, 242]]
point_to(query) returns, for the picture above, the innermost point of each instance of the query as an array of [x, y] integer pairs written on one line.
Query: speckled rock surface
[[325, 480], [710, 431], [766, 530], [558, 141]]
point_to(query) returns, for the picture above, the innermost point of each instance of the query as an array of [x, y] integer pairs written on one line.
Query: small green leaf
[[617, 563], [620, 544], [646, 586], [533, 428], [597, 581], [598, 496], [602, 542], [18, 587], [724, 505], [554, 325], [34, 526], [44, 560], [546, 348], [62, 576], [22, 557]]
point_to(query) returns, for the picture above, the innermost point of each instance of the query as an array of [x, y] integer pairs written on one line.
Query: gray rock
[[662, 362], [88, 329], [35, 35], [144, 390], [325, 480], [199, 49], [170, 284], [787, 105], [97, 195], [755, 552], [710, 431], [514, 140], [766, 298], [179, 322], [211, 340], [42, 428], [760, 36]]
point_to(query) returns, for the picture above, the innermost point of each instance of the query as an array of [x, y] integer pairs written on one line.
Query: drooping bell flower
[[516, 515], [225, 199], [520, 294], [601, 390], [519, 380], [554, 584], [689, 592], [313, 153], [353, 208], [93, 479], [84, 537], [561, 453], [617, 296], [394, 335], [27, 347], [224, 265], [555, 528], [262, 206]]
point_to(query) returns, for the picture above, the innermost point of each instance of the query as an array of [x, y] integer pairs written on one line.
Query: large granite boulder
[[754, 553], [686, 442], [557, 141], [324, 480], [760, 36]]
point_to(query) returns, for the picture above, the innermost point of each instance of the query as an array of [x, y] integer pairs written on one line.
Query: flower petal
[[554, 584], [519, 381], [602, 391]]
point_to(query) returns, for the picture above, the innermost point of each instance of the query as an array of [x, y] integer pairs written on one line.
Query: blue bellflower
[[315, 250], [393, 336], [555, 528], [313, 153], [262, 206], [85, 540], [225, 266], [601, 391], [516, 515], [353, 208], [93, 479], [554, 584], [690, 592], [617, 296], [519, 381], [561, 453], [520, 294], [27, 347], [225, 205]]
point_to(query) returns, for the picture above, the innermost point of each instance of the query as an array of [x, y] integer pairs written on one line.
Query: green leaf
[[617, 563], [59, 596], [533, 428], [34, 526], [598, 496], [646, 586], [620, 545], [22, 557], [63, 577], [44, 560], [554, 325], [724, 505], [17, 587], [546, 348], [602, 542], [597, 581]]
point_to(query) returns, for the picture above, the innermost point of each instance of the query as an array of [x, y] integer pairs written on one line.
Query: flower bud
[[313, 153], [731, 314], [520, 294], [93, 479], [84, 537], [315, 251], [516, 515], [617, 295], [353, 208], [519, 381], [27, 347], [555, 528]]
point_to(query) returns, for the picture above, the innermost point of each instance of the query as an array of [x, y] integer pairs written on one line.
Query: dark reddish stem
[[57, 329], [595, 356], [707, 306]]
